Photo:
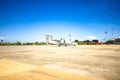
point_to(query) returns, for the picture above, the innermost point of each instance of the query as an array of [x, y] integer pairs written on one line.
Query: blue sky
[[31, 20]]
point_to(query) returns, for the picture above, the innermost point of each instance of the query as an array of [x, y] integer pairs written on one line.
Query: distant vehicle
[[61, 42]]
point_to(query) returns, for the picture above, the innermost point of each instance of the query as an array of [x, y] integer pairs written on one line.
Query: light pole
[[70, 37], [106, 35], [47, 39]]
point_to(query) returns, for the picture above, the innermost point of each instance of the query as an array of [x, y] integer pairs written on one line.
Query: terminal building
[[117, 41]]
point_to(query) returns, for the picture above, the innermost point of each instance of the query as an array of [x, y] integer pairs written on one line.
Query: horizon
[[31, 20]]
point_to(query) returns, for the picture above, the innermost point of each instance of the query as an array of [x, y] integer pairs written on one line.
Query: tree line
[[85, 42], [93, 42], [20, 43]]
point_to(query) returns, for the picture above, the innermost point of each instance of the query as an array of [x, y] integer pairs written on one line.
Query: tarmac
[[84, 62]]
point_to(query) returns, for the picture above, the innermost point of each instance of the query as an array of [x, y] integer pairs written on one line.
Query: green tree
[[18, 43], [86, 41], [76, 41], [36, 43], [110, 42], [95, 40]]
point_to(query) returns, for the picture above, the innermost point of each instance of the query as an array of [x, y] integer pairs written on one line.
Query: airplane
[[61, 42]]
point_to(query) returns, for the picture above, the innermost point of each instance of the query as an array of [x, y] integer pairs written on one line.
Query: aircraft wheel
[[65, 45]]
